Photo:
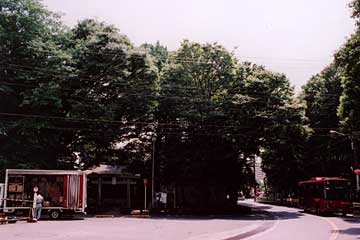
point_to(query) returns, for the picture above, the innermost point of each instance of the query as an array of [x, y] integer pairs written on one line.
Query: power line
[[112, 108], [125, 83], [117, 105], [162, 131], [131, 123], [286, 58], [171, 87], [124, 123], [62, 74], [191, 59], [160, 96], [57, 73]]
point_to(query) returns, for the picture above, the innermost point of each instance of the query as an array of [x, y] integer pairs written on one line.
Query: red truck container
[[64, 191]]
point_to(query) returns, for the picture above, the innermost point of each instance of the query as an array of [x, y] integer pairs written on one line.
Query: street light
[[354, 148]]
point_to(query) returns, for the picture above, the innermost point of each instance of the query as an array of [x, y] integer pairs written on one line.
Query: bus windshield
[[337, 190]]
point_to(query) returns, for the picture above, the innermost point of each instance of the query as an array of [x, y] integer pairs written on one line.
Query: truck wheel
[[55, 214], [12, 220]]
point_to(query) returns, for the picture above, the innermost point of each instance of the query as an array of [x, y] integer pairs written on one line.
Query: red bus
[[325, 195]]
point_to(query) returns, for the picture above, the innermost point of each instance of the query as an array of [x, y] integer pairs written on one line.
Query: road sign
[[145, 182]]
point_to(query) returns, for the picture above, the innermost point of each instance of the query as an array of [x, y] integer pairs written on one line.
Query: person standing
[[39, 203]]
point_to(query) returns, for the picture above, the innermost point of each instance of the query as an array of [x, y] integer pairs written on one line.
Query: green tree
[[279, 127], [72, 94], [347, 58], [216, 115], [325, 156], [159, 52], [355, 5], [332, 99], [28, 34], [195, 152], [116, 83]]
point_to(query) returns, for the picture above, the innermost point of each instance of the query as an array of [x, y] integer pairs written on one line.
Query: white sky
[[295, 37]]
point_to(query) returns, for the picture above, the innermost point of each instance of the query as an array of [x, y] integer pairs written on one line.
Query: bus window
[[337, 190]]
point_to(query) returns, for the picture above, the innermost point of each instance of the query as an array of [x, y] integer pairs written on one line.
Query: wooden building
[[111, 188]]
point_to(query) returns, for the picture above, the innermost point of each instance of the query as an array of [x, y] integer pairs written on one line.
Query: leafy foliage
[[325, 155], [72, 98], [347, 57], [68, 89]]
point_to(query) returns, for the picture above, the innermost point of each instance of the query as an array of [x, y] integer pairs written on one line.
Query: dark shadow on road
[[280, 214], [350, 231], [283, 215], [210, 218], [352, 220], [256, 216]]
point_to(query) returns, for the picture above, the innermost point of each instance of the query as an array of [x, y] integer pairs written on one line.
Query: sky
[[294, 37]]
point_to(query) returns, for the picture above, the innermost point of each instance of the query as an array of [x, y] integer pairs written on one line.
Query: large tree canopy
[[325, 155], [72, 94], [332, 100], [76, 97], [30, 48]]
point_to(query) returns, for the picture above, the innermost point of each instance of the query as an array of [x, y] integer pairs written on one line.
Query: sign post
[[145, 184]]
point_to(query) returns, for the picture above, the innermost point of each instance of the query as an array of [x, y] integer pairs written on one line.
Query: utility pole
[[153, 197], [255, 192]]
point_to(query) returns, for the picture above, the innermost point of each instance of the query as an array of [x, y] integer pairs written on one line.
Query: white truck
[[64, 191]]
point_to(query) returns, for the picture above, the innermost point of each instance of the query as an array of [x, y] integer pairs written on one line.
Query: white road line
[[335, 229], [224, 234], [266, 231]]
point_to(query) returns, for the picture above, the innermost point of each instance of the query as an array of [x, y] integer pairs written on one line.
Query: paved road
[[284, 223], [295, 225], [130, 229]]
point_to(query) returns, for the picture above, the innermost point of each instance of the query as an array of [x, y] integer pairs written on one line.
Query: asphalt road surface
[[294, 224], [281, 223]]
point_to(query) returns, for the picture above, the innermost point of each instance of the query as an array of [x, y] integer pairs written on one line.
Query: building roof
[[109, 170], [43, 172]]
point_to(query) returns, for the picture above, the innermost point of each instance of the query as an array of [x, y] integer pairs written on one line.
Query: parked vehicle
[[64, 191], [2, 186], [325, 195]]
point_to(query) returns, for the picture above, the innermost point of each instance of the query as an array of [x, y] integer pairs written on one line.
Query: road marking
[[224, 234], [267, 230], [335, 229]]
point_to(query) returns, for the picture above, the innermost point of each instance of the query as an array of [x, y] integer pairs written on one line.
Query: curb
[[104, 216]]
